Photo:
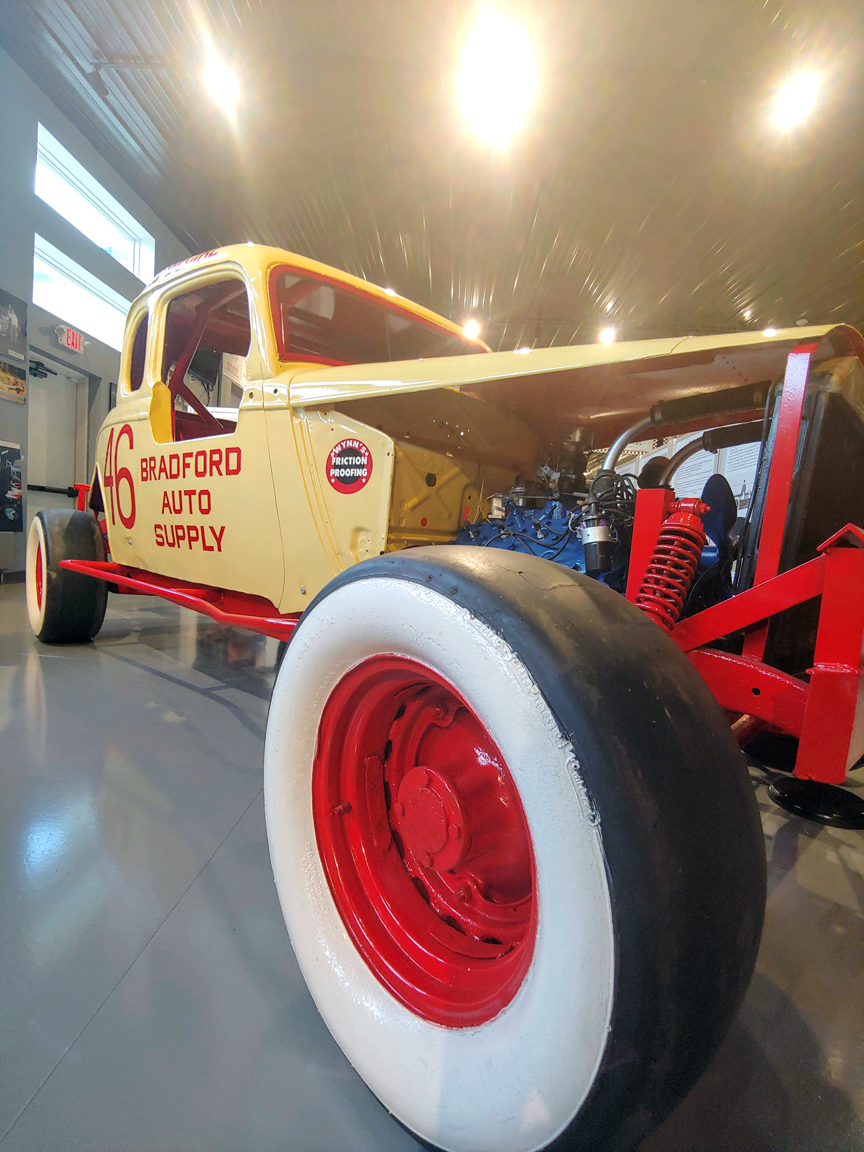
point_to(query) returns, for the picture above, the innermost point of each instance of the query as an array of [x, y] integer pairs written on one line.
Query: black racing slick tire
[[64, 607], [516, 848]]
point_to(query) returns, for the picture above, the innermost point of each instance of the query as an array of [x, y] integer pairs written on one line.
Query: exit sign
[[69, 338]]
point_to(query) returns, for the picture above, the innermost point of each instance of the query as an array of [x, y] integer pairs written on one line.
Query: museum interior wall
[[22, 108]]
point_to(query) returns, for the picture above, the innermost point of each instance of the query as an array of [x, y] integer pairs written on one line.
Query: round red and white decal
[[349, 466]]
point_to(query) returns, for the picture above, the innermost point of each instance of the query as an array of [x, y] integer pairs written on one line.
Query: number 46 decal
[[115, 476]]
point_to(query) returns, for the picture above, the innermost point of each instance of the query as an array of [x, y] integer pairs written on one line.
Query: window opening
[[139, 352], [68, 188], [202, 330], [318, 321]]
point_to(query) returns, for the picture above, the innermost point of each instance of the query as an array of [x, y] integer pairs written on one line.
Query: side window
[[139, 350], [322, 322], [207, 340], [409, 340]]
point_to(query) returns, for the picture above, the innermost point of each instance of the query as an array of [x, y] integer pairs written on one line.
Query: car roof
[[260, 259]]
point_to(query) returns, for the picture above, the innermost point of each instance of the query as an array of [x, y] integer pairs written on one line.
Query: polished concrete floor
[[149, 999]]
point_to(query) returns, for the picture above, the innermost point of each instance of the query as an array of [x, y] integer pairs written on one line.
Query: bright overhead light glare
[[222, 85], [607, 335], [471, 329], [521, 351], [769, 332], [747, 314], [795, 99], [390, 291], [499, 77]]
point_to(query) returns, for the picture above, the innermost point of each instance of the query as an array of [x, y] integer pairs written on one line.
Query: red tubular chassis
[[819, 712]]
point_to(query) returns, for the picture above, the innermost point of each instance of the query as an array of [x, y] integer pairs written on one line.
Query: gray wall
[[22, 214]]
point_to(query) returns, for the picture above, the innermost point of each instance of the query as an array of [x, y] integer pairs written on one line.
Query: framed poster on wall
[[13, 383], [13, 329], [11, 488], [13, 348]]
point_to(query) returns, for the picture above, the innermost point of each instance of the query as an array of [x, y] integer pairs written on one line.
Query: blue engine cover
[[543, 532]]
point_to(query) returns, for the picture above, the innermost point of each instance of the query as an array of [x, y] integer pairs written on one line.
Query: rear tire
[[646, 886], [64, 607]]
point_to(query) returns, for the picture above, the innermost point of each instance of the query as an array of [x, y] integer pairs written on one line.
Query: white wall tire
[[540, 1070], [64, 607]]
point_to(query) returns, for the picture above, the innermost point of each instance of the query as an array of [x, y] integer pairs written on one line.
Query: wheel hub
[[429, 819]]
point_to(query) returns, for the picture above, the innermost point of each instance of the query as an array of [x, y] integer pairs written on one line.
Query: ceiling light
[[499, 77], [769, 332], [795, 99], [471, 329], [607, 335], [221, 84], [747, 314], [521, 351]]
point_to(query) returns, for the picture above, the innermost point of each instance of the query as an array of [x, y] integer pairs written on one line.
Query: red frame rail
[[820, 711], [237, 608]]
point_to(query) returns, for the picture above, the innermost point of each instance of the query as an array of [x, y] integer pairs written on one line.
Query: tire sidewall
[[516, 1082], [37, 553]]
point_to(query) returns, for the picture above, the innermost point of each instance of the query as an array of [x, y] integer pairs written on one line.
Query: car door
[[187, 483]]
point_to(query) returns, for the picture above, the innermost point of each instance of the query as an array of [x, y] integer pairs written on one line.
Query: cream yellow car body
[[251, 510]]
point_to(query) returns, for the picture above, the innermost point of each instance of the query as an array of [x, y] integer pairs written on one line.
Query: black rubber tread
[[680, 826], [74, 604]]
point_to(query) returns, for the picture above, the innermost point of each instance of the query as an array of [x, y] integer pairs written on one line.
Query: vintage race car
[[513, 835]]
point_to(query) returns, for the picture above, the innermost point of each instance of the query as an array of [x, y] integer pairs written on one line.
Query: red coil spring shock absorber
[[673, 563]]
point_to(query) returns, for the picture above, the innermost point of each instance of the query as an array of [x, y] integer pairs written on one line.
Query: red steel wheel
[[39, 573], [424, 842]]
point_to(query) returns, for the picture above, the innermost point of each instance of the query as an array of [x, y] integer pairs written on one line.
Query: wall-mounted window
[[75, 295], [70, 190]]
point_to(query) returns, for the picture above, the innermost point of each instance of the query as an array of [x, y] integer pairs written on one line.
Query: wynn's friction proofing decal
[[349, 466]]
